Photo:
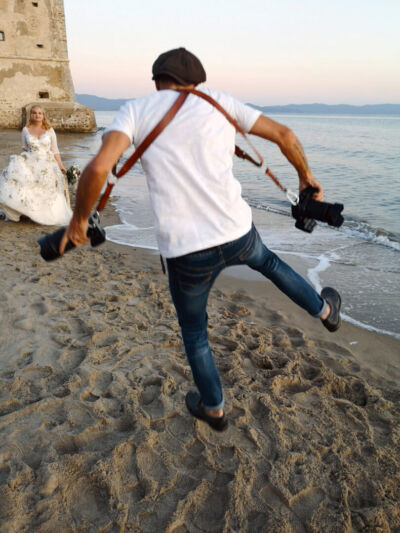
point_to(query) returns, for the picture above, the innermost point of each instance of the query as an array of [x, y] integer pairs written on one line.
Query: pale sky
[[266, 52]]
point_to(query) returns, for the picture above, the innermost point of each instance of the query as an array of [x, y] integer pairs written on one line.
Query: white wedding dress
[[33, 185]]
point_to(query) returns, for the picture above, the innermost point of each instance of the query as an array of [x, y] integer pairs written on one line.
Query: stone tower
[[34, 66]]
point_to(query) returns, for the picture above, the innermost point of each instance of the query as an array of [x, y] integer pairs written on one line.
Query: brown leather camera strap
[[183, 94], [238, 151], [155, 132]]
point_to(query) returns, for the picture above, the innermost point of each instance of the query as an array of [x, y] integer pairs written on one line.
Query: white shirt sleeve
[[54, 147], [24, 139], [245, 114], [123, 121]]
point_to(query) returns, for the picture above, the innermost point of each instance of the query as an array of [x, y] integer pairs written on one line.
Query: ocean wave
[[368, 327], [351, 227], [364, 231]]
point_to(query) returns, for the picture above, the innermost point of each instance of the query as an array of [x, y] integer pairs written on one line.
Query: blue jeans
[[191, 277]]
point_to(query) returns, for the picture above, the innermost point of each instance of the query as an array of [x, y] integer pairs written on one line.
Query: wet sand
[[95, 436]]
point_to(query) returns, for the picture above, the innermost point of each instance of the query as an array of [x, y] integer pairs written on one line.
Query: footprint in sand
[[210, 507], [4, 473], [153, 466], [40, 308], [24, 360], [150, 398], [351, 389], [25, 323], [86, 502], [306, 502], [310, 372], [72, 358], [99, 382]]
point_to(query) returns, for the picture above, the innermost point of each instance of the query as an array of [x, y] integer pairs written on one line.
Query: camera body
[[50, 243], [308, 210]]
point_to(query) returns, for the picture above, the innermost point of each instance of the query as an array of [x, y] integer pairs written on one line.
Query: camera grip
[[97, 235]]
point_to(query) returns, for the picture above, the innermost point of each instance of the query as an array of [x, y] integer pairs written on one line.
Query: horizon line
[[258, 105]]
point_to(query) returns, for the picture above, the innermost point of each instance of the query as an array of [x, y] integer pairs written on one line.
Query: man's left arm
[[290, 147], [90, 185]]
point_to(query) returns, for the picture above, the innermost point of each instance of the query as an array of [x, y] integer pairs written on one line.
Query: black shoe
[[332, 297], [195, 408]]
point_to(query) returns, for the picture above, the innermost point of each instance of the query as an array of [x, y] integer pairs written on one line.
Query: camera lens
[[49, 245]]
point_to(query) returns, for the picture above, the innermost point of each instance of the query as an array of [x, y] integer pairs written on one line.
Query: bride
[[33, 183]]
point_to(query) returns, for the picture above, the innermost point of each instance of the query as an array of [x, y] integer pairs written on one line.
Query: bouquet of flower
[[73, 174]]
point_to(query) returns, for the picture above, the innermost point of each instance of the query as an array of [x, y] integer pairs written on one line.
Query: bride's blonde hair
[[45, 124]]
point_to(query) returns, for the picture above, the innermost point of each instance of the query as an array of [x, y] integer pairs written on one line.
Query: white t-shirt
[[196, 200]]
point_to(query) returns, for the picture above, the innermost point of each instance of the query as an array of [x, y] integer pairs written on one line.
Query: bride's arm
[[57, 157], [56, 152], [24, 140]]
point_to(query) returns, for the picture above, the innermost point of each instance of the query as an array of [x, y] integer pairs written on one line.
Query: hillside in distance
[[325, 109], [101, 104], [112, 104]]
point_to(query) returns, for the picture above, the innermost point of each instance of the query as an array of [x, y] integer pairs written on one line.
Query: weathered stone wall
[[34, 64], [64, 116]]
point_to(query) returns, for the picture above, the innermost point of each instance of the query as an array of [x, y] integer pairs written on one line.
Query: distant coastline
[[325, 109], [99, 103]]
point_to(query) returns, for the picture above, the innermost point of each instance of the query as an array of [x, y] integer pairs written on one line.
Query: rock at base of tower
[[63, 116]]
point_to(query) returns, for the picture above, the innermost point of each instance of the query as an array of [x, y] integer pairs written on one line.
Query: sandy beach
[[95, 436]]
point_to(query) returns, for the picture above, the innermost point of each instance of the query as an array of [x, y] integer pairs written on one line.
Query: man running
[[202, 223]]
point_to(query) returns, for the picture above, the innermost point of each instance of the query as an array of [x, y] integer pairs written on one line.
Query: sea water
[[356, 159]]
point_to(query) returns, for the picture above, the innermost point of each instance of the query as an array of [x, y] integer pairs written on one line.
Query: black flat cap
[[181, 65]]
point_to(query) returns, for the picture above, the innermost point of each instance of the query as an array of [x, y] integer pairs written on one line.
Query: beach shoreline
[[94, 434], [372, 345]]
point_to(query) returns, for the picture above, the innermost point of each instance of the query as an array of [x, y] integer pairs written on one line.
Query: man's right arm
[[90, 185], [290, 147]]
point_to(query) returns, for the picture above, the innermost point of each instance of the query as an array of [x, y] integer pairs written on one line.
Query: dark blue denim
[[191, 277]]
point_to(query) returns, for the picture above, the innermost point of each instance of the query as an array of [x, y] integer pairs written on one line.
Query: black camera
[[50, 243], [309, 210]]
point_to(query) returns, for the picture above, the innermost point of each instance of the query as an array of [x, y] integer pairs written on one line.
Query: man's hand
[[76, 233], [311, 182], [92, 180]]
